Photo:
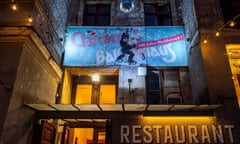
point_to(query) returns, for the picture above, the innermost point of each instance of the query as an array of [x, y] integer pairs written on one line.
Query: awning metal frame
[[76, 111]]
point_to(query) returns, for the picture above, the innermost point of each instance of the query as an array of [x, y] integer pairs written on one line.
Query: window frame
[[96, 15], [159, 16]]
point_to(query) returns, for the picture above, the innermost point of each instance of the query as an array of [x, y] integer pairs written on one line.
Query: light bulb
[[30, 19], [95, 78], [14, 6], [205, 40], [232, 24], [217, 33]]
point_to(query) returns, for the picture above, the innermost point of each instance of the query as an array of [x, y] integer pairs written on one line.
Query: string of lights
[[231, 23], [15, 7]]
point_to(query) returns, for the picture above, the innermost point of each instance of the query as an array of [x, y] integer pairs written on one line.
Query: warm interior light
[[180, 119], [217, 33], [14, 6], [205, 40], [232, 24], [30, 19]]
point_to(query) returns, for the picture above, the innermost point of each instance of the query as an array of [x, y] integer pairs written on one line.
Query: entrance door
[[83, 94], [106, 94], [47, 135], [92, 131], [66, 135]]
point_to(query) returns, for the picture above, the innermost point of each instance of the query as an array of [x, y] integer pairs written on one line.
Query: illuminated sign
[[106, 46], [177, 134]]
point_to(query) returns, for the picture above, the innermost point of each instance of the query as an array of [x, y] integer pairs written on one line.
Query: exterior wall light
[[95, 78]]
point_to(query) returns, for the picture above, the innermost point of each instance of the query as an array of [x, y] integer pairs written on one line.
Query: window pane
[[90, 20], [104, 9], [103, 20], [91, 9], [97, 14], [150, 20], [165, 10], [149, 9], [157, 15], [166, 21]]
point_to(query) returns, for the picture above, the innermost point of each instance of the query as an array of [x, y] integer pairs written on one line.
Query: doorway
[[153, 87], [99, 94], [87, 131]]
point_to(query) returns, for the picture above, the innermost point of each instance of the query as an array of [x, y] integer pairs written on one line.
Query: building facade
[[119, 71]]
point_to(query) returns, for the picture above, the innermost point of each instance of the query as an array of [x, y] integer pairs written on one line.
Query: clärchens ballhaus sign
[[109, 46]]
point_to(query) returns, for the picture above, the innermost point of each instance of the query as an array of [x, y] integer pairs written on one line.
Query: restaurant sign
[[106, 46], [177, 134]]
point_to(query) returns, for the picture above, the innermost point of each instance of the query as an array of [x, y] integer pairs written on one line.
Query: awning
[[106, 110]]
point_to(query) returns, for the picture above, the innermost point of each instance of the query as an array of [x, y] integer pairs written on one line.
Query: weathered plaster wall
[[213, 54], [133, 92], [211, 69], [133, 18], [34, 83], [10, 53], [217, 68], [196, 67], [66, 88], [49, 21]]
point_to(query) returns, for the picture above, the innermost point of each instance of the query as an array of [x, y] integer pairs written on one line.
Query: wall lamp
[[95, 78]]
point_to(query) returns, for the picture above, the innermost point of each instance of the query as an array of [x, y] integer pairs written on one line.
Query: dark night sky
[[231, 8]]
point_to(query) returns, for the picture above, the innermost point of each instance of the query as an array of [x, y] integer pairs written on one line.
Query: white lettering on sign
[[217, 134], [229, 128], [180, 138], [192, 133], [125, 133], [177, 134], [165, 52], [168, 134], [148, 136], [135, 133]]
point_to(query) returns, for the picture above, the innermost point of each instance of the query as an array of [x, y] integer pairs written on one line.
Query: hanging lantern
[[126, 5]]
